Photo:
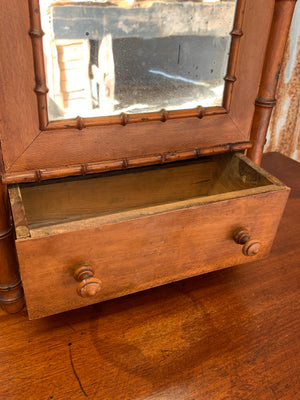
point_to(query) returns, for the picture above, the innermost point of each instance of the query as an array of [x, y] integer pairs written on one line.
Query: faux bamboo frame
[[41, 89], [181, 134], [125, 163]]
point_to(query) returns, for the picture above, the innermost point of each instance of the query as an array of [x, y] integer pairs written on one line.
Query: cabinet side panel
[[19, 119], [256, 28]]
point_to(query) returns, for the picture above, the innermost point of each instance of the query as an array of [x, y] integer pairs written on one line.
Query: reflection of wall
[[284, 130], [159, 19], [167, 72], [191, 57]]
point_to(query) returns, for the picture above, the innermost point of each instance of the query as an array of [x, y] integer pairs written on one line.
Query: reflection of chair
[[104, 75]]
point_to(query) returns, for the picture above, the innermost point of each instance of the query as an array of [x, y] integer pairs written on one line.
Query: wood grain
[[36, 33], [150, 246], [121, 164], [265, 101], [252, 47], [65, 200], [109, 193], [19, 125], [138, 254], [25, 148], [231, 334], [11, 292], [284, 130], [132, 140]]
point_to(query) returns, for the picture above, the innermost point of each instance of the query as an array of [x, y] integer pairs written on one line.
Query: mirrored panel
[[134, 56]]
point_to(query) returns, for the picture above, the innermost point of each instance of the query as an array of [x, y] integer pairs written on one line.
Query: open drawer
[[126, 231]]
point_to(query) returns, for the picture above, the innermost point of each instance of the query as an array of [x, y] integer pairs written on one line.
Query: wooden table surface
[[232, 334]]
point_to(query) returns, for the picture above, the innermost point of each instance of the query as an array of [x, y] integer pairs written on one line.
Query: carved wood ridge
[[41, 90], [124, 163], [265, 101]]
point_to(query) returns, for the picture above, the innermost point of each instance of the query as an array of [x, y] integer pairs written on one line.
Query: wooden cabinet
[[134, 200]]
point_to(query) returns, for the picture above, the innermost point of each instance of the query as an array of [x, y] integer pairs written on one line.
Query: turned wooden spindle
[[250, 246], [11, 291], [88, 286]]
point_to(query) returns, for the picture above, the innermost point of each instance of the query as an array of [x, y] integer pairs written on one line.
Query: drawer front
[[149, 251]]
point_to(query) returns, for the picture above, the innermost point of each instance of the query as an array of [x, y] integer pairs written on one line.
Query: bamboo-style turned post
[[124, 119], [36, 33], [236, 34], [11, 292], [265, 101], [124, 163]]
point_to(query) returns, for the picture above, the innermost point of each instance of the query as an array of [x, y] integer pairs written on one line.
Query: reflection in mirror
[[134, 56]]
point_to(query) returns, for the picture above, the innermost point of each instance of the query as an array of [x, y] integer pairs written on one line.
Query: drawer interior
[[57, 202]]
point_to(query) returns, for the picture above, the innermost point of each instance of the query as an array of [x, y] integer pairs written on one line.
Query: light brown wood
[[250, 246], [113, 192], [124, 119], [133, 250], [54, 202], [41, 88], [20, 219], [37, 150], [36, 35], [241, 235], [18, 103], [283, 13], [88, 286], [90, 146], [284, 129], [236, 34], [230, 334], [130, 141], [134, 255], [11, 292], [125, 163]]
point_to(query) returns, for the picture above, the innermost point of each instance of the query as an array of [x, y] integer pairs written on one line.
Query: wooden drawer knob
[[88, 285], [250, 246]]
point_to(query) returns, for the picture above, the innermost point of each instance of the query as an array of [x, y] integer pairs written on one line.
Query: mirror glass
[[134, 56]]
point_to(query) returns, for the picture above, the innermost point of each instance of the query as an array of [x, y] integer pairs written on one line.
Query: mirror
[[134, 56]]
